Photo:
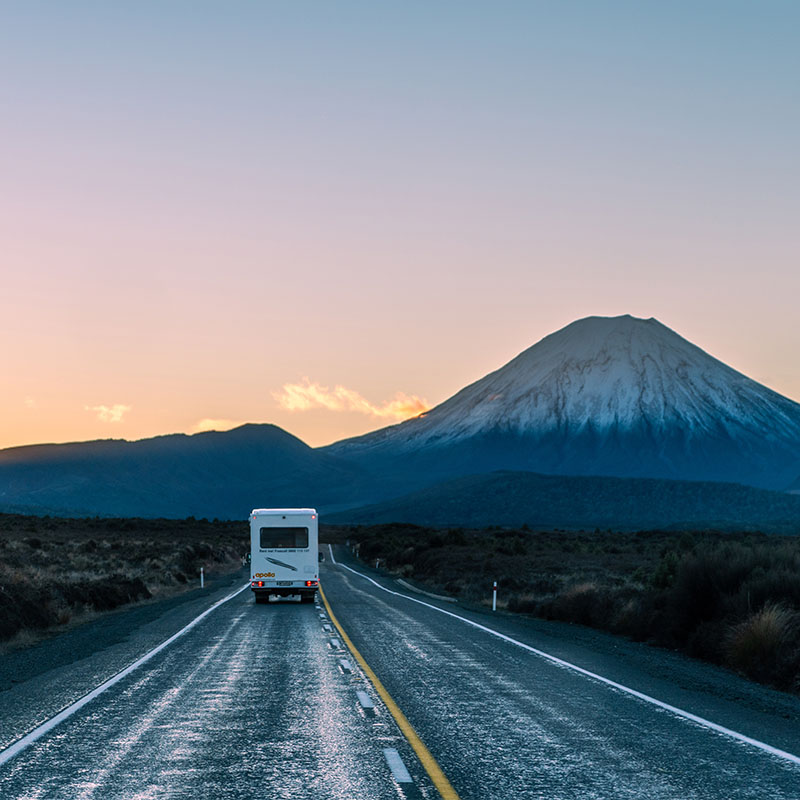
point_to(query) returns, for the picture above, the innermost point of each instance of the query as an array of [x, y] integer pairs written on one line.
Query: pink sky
[[199, 211]]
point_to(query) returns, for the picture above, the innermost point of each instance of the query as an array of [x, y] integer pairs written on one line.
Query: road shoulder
[[37, 682]]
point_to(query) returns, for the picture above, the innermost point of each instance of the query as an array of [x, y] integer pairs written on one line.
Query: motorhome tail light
[[311, 583], [261, 583]]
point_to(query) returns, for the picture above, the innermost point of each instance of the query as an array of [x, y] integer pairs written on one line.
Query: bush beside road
[[55, 571]]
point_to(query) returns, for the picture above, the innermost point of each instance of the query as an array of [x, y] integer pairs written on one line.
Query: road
[[254, 701]]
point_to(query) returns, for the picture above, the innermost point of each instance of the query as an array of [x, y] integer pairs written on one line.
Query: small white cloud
[[209, 424], [30, 402], [110, 413], [307, 395]]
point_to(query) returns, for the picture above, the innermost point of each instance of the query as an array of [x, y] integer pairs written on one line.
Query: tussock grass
[[765, 644], [56, 572]]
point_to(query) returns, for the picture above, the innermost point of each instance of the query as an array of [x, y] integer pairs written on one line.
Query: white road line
[[345, 665], [333, 560], [365, 700], [335, 644], [396, 765], [45, 727], [679, 712]]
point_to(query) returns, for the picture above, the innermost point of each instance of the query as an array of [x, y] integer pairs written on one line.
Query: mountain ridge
[[209, 474], [578, 502]]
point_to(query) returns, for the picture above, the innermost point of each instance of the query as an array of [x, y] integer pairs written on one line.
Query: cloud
[[30, 402], [307, 395], [110, 413], [209, 424]]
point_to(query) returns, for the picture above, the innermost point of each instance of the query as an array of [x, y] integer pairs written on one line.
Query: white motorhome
[[283, 553]]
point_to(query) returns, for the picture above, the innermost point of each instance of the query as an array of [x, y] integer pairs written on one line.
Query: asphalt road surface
[[267, 701]]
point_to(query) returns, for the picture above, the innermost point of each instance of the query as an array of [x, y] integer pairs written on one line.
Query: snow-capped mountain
[[603, 396]]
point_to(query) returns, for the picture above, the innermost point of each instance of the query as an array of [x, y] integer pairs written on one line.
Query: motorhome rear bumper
[[284, 591]]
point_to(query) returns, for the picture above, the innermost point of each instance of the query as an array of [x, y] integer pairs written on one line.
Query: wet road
[[253, 701], [505, 723]]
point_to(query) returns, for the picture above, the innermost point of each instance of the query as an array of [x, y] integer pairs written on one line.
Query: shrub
[[664, 576], [584, 603], [633, 618], [764, 646], [522, 603]]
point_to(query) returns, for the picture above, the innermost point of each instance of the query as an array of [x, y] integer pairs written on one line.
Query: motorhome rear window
[[273, 538]]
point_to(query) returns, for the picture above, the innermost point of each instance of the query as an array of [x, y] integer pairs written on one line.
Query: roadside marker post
[[494, 596], [202, 579]]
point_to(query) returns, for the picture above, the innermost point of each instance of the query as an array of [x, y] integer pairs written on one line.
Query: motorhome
[[283, 553]]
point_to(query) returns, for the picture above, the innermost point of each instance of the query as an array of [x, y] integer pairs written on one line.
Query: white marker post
[[202, 578], [494, 596]]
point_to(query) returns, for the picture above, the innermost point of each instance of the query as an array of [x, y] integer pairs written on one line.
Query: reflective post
[[202, 578], [494, 596]]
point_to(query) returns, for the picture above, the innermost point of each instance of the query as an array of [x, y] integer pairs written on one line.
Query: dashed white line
[[335, 644], [345, 666], [27, 740], [366, 703], [396, 765], [678, 712]]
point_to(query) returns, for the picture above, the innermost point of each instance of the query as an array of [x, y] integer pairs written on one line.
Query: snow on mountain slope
[[618, 395]]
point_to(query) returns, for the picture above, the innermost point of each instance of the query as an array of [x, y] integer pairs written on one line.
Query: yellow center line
[[423, 754]]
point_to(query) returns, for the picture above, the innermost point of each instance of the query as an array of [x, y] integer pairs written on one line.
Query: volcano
[[614, 396]]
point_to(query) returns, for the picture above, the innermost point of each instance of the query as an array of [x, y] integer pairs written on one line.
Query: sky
[[331, 215]]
